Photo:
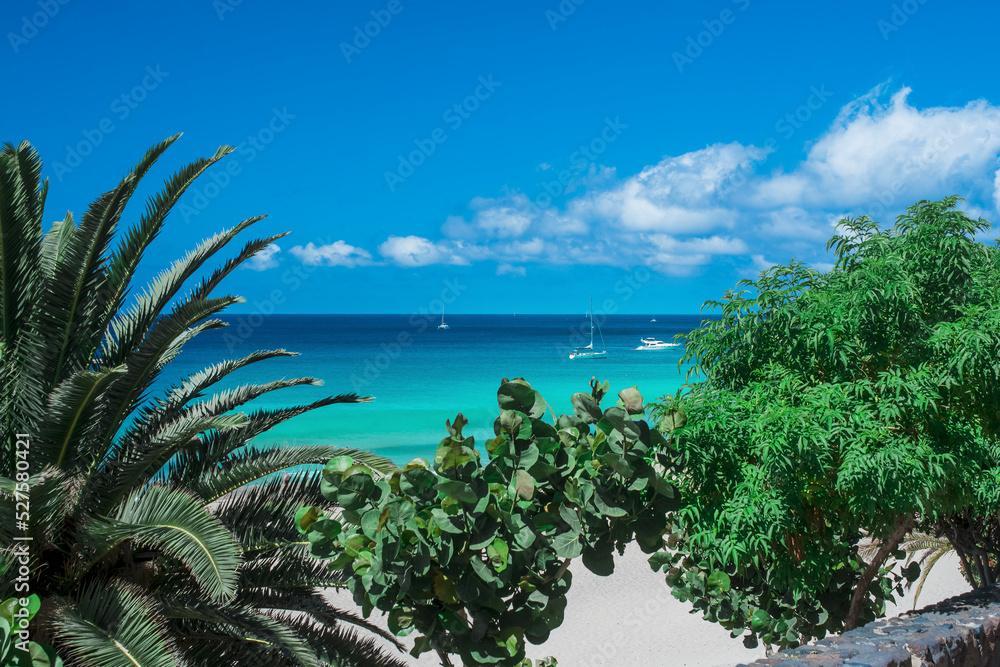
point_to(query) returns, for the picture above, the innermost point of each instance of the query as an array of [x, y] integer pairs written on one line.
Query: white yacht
[[653, 344], [443, 325]]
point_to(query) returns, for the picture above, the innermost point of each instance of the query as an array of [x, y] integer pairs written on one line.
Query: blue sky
[[512, 156]]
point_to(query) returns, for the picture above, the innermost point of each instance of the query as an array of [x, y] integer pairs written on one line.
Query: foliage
[[864, 400], [474, 557], [15, 616], [151, 541], [923, 548]]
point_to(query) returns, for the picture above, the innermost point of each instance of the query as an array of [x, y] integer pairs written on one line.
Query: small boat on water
[[443, 325], [587, 351], [653, 344], [653, 320]]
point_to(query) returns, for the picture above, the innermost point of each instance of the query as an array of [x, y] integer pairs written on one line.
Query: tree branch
[[903, 525]]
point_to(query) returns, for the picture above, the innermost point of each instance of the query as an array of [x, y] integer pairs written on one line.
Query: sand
[[630, 618]]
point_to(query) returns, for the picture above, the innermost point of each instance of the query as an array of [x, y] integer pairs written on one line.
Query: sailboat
[[443, 325], [587, 351]]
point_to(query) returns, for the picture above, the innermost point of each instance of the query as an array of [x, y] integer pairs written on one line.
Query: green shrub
[[861, 401], [474, 557]]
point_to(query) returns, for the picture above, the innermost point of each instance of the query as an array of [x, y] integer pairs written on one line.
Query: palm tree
[[159, 534], [922, 548]]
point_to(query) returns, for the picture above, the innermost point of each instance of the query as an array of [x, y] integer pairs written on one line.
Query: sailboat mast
[[591, 321]]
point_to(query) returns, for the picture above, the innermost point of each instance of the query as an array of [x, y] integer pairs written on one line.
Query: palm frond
[[55, 243], [141, 316], [927, 562], [337, 645], [125, 259], [249, 623], [144, 365], [68, 419], [314, 604], [285, 570], [176, 524], [112, 624], [75, 295], [20, 236], [254, 463], [257, 514], [249, 250], [133, 468]]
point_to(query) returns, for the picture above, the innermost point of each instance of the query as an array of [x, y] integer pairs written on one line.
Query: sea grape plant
[[474, 556], [861, 401], [16, 650]]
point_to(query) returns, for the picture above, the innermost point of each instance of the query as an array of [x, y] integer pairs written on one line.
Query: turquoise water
[[420, 376]]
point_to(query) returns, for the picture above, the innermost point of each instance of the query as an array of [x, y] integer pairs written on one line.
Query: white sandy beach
[[630, 618]]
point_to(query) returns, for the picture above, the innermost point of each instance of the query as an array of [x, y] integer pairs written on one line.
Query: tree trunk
[[903, 525]]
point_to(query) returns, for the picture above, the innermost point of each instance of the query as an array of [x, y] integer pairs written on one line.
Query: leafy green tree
[[153, 539], [860, 401], [474, 557]]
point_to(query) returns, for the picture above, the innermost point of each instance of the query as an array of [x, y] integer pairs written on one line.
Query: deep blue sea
[[420, 375]]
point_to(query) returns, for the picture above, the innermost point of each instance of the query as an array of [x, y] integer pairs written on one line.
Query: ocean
[[420, 376]]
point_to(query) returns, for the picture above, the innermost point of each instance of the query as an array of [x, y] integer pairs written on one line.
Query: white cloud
[[682, 213], [761, 264], [415, 251], [714, 245], [503, 269], [265, 259], [410, 251], [681, 194], [796, 223], [333, 254], [996, 190], [891, 155]]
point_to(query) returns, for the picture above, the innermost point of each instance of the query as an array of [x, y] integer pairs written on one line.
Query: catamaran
[[443, 325], [653, 344], [587, 351]]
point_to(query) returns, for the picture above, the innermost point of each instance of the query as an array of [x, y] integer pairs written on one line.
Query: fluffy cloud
[[418, 251], [892, 155], [334, 254], [265, 259], [796, 223], [511, 216], [683, 212], [682, 194]]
